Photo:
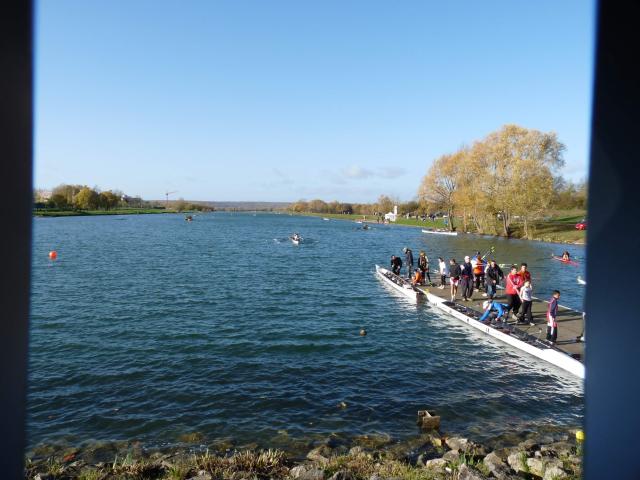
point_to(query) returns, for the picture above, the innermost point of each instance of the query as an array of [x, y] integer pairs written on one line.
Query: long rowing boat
[[400, 284], [511, 335], [507, 333], [439, 232]]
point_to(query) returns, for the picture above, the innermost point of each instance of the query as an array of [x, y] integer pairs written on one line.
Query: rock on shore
[[430, 456]]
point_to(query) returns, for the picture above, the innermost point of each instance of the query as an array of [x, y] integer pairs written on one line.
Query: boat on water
[[400, 284], [582, 281], [511, 335], [325, 218], [503, 331], [296, 239], [439, 232], [564, 260]]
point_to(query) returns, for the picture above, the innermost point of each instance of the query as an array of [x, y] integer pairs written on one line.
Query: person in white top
[[526, 293], [444, 271]]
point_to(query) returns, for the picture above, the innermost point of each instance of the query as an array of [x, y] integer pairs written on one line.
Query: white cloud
[[357, 172], [391, 172]]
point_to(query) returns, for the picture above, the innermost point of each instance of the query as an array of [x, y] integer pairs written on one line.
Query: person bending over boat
[[423, 266], [444, 271], [552, 315], [512, 290], [466, 280], [493, 275], [493, 310], [408, 258], [417, 278], [456, 271], [396, 264]]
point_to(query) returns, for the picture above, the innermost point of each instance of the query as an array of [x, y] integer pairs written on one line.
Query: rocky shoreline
[[429, 456]]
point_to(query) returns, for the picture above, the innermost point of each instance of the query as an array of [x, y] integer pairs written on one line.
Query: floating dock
[[567, 353]]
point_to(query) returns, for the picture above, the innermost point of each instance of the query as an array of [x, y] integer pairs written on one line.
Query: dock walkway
[[570, 322]]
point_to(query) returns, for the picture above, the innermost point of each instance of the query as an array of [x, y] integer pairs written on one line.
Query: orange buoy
[[53, 254]]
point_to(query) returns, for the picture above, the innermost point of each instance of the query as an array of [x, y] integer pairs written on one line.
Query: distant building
[[42, 195], [392, 216]]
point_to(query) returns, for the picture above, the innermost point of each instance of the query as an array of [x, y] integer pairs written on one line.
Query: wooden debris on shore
[[428, 420]]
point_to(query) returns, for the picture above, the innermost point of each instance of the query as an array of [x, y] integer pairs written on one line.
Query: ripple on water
[[154, 327]]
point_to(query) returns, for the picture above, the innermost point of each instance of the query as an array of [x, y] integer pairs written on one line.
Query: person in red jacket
[[512, 286], [524, 273]]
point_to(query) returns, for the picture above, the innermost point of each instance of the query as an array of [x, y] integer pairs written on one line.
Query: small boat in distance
[[439, 232], [325, 218], [564, 260], [296, 239], [582, 281]]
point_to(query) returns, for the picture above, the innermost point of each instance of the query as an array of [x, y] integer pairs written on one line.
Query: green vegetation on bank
[[557, 227], [428, 456]]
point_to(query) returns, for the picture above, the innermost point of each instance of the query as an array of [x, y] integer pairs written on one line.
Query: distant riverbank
[[86, 213], [558, 229]]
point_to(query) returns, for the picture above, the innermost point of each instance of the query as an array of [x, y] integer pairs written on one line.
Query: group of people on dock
[[477, 273]]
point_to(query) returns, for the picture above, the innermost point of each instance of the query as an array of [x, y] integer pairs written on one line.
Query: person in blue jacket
[[496, 309]]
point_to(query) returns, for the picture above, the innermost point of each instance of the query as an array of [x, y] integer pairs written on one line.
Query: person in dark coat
[[423, 265], [552, 317], [493, 276], [396, 264], [408, 260], [466, 280]]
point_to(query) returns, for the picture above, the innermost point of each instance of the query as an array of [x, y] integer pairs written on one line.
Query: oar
[[492, 250]]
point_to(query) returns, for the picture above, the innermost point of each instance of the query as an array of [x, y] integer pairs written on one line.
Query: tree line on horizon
[[511, 174], [83, 197]]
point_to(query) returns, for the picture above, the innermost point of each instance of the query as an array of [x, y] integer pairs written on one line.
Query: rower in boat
[[417, 278], [566, 256], [296, 238]]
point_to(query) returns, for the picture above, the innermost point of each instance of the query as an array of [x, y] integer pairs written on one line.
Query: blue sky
[[282, 100]]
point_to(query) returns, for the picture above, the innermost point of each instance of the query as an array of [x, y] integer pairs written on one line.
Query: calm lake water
[[148, 327]]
